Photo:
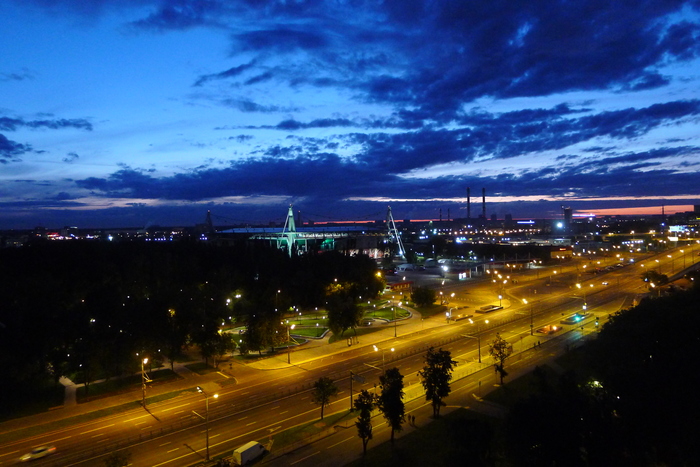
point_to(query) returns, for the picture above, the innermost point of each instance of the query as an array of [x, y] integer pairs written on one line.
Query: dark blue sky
[[135, 112]]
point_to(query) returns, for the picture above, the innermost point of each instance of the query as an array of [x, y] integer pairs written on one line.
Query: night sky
[[141, 112]]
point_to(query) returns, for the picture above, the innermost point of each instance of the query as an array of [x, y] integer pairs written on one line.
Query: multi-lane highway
[[264, 400]]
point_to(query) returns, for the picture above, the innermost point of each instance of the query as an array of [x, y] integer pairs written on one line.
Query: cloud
[[181, 14], [23, 75], [10, 150], [230, 73], [247, 105], [71, 157], [281, 40], [11, 124]]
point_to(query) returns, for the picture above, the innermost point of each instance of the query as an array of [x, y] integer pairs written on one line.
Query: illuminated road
[[262, 400]]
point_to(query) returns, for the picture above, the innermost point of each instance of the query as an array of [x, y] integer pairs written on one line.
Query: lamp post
[[377, 349], [206, 419], [478, 335], [500, 300], [143, 382], [394, 310], [289, 338], [532, 324]]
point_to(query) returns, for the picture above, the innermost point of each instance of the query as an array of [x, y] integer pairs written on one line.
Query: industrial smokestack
[[469, 204], [483, 202]]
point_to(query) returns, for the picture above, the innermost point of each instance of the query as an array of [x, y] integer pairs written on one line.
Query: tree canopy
[[500, 350], [423, 296], [364, 404], [323, 390], [390, 399], [436, 374]]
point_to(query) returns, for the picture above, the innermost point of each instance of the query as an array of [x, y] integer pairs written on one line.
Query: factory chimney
[[469, 204], [483, 202]]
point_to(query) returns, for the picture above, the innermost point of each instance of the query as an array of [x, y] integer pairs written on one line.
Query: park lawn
[[303, 431], [351, 333], [387, 313], [120, 385], [200, 368], [432, 310], [309, 332], [452, 439], [33, 400], [526, 385]]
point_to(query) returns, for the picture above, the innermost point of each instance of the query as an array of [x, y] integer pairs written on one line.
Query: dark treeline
[[633, 400], [86, 309]]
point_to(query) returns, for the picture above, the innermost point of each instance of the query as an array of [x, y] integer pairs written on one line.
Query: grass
[[387, 313], [509, 393], [33, 400], [452, 439], [432, 310], [363, 331], [120, 385], [309, 332], [200, 368], [300, 432]]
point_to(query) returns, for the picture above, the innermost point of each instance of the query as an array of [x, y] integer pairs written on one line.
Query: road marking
[[176, 407], [243, 418], [136, 418], [273, 408], [304, 458], [244, 393], [225, 376], [178, 412], [59, 439], [346, 439], [164, 444], [101, 428], [9, 453], [282, 413], [98, 434], [214, 436], [251, 423], [172, 450]]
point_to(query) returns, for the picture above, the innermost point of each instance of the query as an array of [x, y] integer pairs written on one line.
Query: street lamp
[[394, 310], [478, 335], [206, 420], [376, 349], [532, 325], [500, 300], [144, 380], [289, 338]]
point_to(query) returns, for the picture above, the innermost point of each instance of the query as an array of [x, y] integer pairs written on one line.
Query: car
[[38, 453], [605, 283]]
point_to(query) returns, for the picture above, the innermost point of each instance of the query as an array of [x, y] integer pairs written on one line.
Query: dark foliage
[[85, 309]]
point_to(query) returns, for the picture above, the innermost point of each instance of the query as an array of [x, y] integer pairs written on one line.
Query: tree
[[343, 310], [654, 277], [390, 400], [364, 404], [118, 459], [323, 390], [423, 296], [436, 375], [500, 350]]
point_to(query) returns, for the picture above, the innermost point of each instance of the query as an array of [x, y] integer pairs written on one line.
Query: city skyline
[[142, 112]]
